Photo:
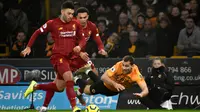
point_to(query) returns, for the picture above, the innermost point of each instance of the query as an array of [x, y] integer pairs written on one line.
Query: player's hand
[[119, 87], [84, 56], [138, 95], [103, 52], [26, 51], [77, 49]]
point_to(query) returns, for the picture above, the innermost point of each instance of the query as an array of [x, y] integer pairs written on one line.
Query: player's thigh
[[78, 62], [100, 88]]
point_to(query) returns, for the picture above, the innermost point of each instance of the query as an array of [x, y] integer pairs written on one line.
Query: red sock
[[71, 93], [47, 87], [48, 97]]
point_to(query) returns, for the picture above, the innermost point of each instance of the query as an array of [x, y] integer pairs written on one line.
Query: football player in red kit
[[89, 30], [65, 31]]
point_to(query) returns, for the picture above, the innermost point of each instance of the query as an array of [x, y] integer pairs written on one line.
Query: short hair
[[67, 4], [129, 58], [151, 7], [82, 10], [163, 19], [189, 17]]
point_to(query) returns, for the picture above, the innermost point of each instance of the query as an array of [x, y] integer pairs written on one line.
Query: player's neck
[[62, 19], [84, 26]]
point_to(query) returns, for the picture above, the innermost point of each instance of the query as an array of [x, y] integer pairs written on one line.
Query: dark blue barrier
[[186, 74], [184, 71]]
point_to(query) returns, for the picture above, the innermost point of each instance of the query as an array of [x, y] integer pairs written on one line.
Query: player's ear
[[87, 16], [62, 11]]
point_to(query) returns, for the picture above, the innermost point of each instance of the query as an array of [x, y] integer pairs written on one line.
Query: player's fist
[[84, 56], [26, 51], [77, 49], [119, 87], [138, 95], [103, 52]]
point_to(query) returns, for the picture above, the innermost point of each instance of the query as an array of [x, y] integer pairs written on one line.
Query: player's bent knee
[[67, 76], [61, 88], [60, 91], [60, 84]]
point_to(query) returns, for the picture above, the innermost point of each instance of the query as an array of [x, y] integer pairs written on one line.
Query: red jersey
[[64, 35], [92, 31]]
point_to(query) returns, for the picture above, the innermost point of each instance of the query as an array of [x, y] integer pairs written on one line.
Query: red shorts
[[62, 64]]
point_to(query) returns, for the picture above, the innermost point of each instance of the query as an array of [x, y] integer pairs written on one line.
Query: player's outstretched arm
[[43, 29], [96, 37], [109, 81], [81, 38], [143, 86]]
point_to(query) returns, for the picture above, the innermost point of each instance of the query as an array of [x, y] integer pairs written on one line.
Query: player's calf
[[80, 97]]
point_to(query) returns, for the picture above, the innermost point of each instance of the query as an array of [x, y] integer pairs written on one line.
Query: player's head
[[82, 14], [67, 11], [157, 63], [127, 64]]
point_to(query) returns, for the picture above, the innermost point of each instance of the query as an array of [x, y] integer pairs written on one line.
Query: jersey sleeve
[[46, 27], [113, 70], [139, 76], [96, 37], [43, 29], [80, 35]]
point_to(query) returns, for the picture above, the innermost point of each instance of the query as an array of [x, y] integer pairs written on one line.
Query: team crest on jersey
[[61, 60], [112, 69], [60, 28], [89, 33], [74, 27], [97, 32]]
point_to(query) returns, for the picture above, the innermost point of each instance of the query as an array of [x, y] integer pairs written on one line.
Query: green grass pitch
[[107, 111]]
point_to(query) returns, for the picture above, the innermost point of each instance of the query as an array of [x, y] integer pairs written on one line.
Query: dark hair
[[82, 10], [151, 7], [185, 10], [67, 4], [189, 17], [129, 58], [163, 19], [131, 23]]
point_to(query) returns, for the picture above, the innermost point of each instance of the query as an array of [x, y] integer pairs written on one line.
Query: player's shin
[[48, 97], [71, 93]]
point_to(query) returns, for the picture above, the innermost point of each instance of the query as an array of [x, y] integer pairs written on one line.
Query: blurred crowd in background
[[140, 28]]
